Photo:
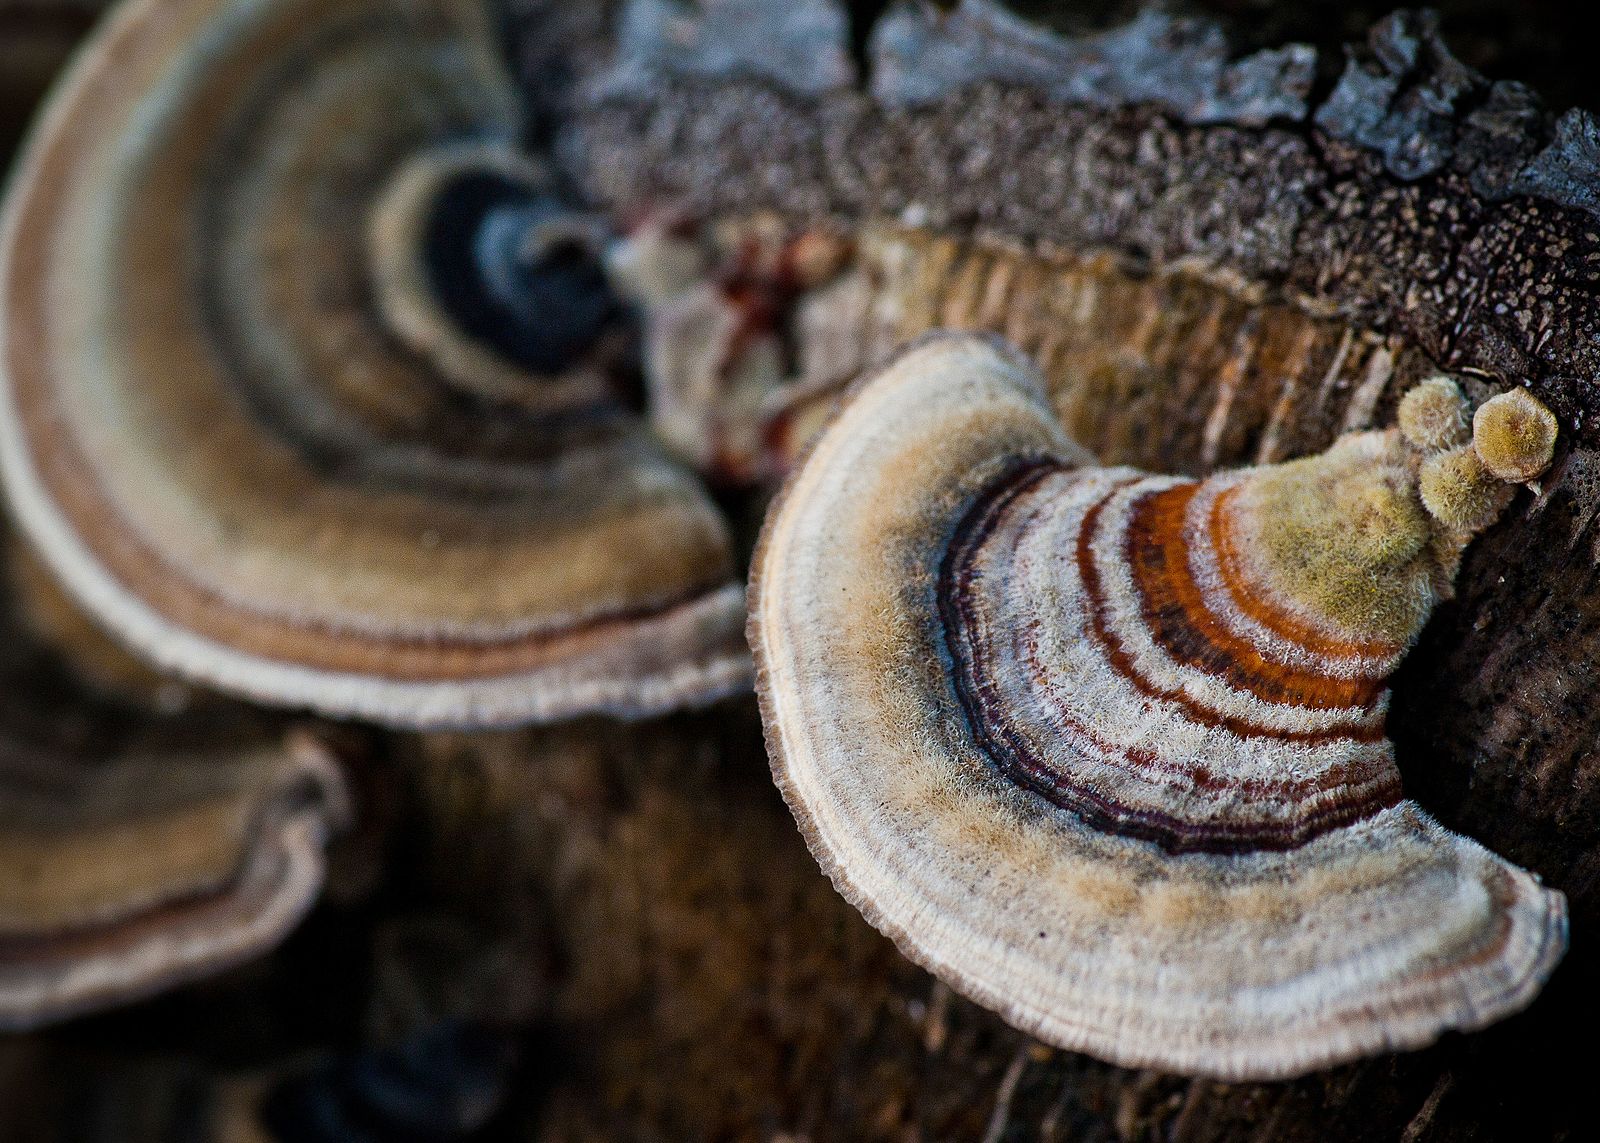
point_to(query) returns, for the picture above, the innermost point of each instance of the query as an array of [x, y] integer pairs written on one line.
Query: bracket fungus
[[140, 847], [1074, 736], [305, 384]]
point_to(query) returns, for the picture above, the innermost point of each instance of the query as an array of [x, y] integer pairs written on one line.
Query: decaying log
[[637, 897]]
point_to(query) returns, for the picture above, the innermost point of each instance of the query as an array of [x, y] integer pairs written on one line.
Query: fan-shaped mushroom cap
[[140, 849], [237, 463], [1105, 750]]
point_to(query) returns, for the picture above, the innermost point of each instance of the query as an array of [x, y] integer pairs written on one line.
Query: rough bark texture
[[631, 911]]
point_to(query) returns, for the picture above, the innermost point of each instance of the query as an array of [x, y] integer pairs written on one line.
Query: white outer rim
[[540, 695]]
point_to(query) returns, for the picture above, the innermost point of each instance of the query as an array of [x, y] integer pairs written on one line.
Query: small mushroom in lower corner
[[308, 380], [1105, 750], [141, 846]]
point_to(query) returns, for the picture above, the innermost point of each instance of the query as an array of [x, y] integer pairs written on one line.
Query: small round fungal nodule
[[1074, 736], [306, 380], [1433, 414], [1458, 491], [1514, 435]]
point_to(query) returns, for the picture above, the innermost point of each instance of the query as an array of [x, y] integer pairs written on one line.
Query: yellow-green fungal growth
[[1433, 415], [1364, 538], [1459, 492], [1514, 435], [1341, 536]]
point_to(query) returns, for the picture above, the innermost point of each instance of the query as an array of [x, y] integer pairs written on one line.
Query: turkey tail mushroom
[[306, 380], [140, 847], [1075, 736]]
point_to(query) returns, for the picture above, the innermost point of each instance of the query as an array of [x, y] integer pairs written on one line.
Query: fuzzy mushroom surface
[[307, 380], [143, 843], [1105, 750]]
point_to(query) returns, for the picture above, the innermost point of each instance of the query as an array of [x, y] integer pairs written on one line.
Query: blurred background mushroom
[[146, 839], [750, 329], [310, 382]]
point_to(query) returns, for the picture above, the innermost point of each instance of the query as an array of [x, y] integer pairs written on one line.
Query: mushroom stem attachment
[[1363, 539]]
